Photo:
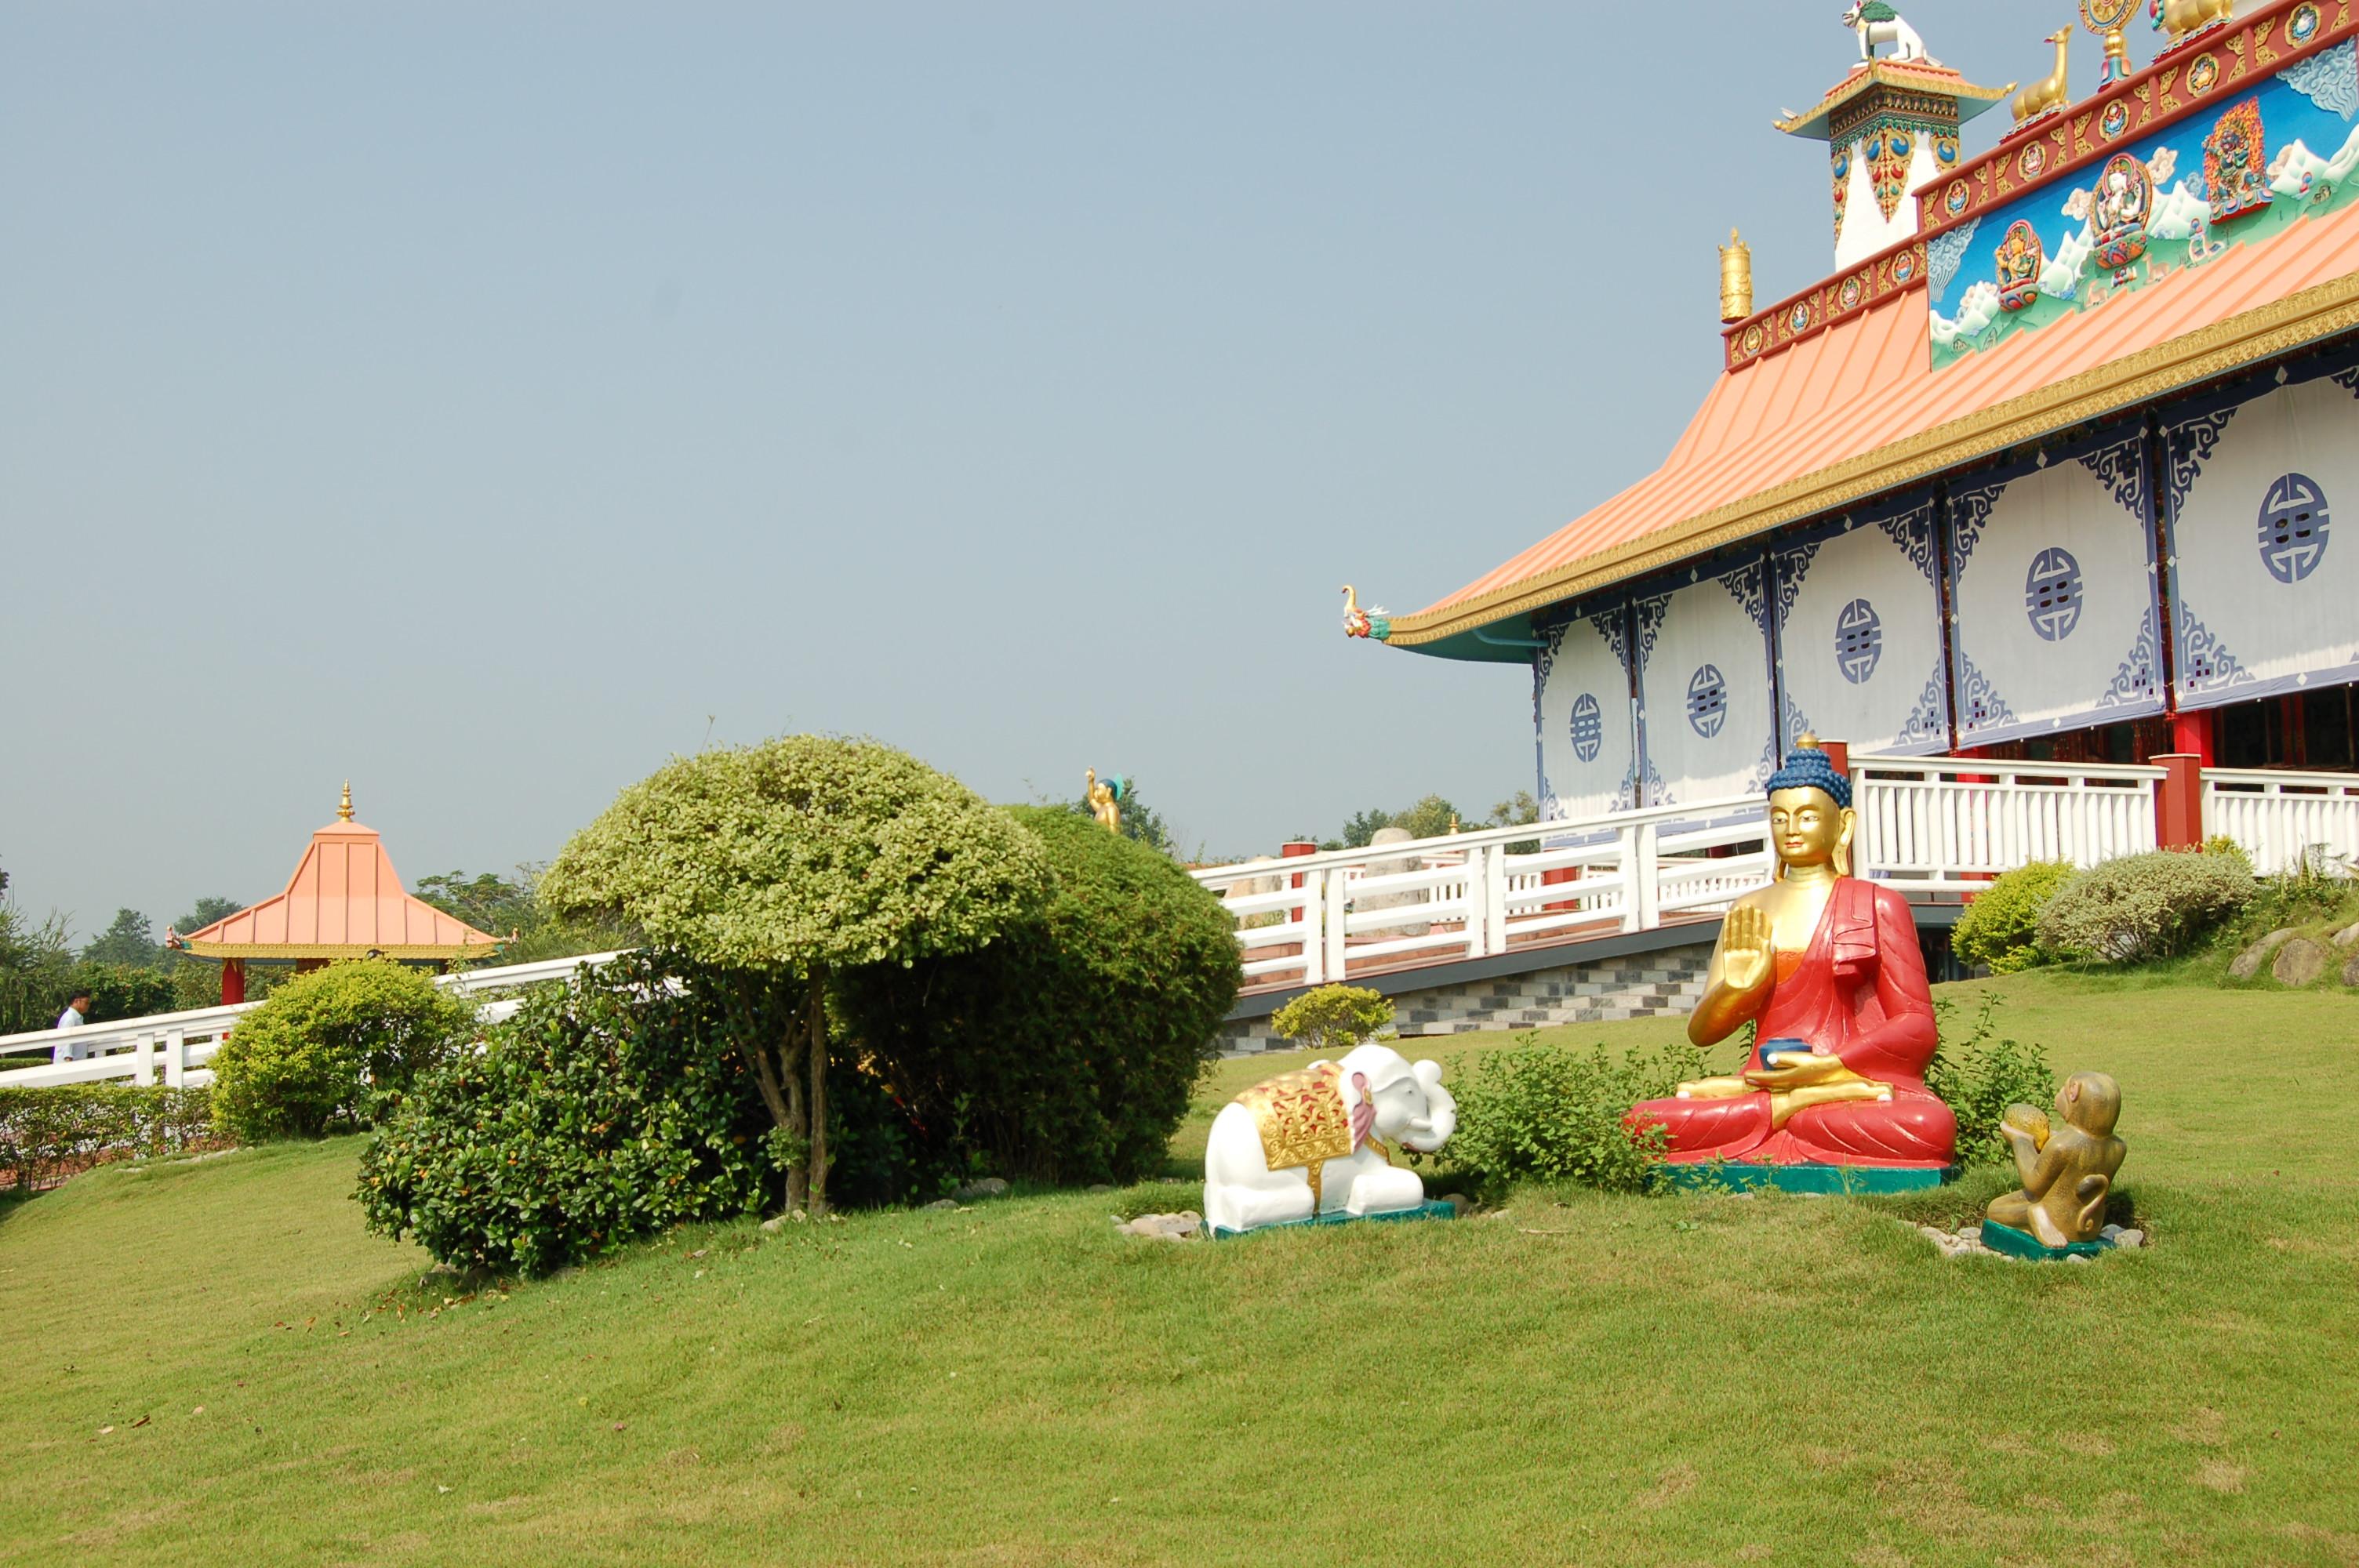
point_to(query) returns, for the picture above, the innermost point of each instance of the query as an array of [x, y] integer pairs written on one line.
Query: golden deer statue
[[2047, 96], [2182, 19]]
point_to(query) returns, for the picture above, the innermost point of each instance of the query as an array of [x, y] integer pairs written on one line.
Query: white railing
[[174, 1047], [1951, 824], [1325, 917], [2279, 817]]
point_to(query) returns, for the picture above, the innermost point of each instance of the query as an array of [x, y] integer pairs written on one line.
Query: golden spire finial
[[1808, 743], [1735, 279], [344, 812]]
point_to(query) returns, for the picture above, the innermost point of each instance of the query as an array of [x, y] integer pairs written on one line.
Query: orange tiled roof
[[344, 901], [1856, 410]]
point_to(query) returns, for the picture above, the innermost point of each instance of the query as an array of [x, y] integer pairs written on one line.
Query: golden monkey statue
[[1105, 800], [2068, 1170]]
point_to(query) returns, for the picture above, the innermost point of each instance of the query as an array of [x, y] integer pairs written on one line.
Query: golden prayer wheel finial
[[344, 812], [1735, 279]]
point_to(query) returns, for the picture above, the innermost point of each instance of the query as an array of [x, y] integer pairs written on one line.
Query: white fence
[[1950, 824], [2279, 817], [1323, 917], [173, 1047]]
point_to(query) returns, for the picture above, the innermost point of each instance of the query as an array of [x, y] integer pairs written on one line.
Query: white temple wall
[[2265, 596], [2052, 585], [1706, 721], [1587, 725], [1859, 634]]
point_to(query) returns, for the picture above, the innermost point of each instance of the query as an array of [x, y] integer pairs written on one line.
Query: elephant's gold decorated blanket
[[1302, 1120]]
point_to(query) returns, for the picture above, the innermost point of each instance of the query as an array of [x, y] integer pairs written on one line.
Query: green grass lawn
[[1577, 1379]]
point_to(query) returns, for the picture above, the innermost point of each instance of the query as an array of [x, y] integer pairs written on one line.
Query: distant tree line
[[1432, 817]]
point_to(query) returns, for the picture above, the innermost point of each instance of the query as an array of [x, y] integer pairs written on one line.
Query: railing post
[[2178, 801], [1494, 906], [1294, 850], [1477, 899], [1647, 890], [145, 1071], [1333, 933], [176, 1058]]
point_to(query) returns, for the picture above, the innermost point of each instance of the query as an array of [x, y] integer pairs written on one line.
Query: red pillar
[[232, 981], [1294, 850], [2193, 735], [2178, 801]]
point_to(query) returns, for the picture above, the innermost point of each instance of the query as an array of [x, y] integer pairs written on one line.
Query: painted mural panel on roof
[[2262, 498], [2238, 172]]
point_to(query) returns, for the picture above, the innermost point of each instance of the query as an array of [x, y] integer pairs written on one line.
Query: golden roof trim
[[1941, 79], [2223, 346], [339, 950]]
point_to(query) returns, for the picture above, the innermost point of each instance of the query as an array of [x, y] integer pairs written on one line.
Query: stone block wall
[[1644, 985]]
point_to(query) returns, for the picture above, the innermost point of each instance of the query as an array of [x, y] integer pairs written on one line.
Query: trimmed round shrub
[[2142, 907], [2000, 930], [1067, 1049], [320, 1054]]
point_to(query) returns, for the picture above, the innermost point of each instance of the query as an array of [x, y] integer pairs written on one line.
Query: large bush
[[2142, 907], [605, 1109], [319, 1054], [1552, 1113], [2000, 930], [1068, 1048], [776, 868], [46, 1134]]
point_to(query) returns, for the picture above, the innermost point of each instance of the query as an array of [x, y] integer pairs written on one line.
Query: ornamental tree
[[771, 868]]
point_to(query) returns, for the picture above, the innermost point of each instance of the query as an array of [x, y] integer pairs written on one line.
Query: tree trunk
[[777, 1073], [815, 1045], [797, 1121]]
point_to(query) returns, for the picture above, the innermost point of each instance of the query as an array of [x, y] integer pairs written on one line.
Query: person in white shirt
[[76, 1014]]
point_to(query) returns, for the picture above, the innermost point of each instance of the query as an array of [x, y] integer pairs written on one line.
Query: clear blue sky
[[470, 400]]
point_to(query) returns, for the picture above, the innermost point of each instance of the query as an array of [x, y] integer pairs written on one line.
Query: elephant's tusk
[[1420, 1124]]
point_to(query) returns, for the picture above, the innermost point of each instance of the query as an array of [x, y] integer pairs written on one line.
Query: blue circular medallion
[[1707, 701], [1859, 641], [1588, 727], [2053, 593], [2293, 527]]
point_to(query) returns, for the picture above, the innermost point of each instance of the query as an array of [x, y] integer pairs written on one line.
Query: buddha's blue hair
[[1807, 767]]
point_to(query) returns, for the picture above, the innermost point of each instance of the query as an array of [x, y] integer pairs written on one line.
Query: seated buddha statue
[[1827, 969]]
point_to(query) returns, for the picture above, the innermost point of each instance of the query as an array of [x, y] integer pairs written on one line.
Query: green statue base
[[1854, 1180], [2017, 1243], [1434, 1209]]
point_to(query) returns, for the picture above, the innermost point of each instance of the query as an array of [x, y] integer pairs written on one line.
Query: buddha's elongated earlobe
[[1842, 842]]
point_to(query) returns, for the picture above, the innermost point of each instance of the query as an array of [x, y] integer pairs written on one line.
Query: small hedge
[[2160, 904], [49, 1134], [1980, 1075], [2000, 930], [1333, 1019], [1067, 1049], [1550, 1113], [316, 1058]]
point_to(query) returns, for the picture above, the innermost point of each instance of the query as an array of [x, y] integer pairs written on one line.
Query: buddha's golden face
[[1806, 825]]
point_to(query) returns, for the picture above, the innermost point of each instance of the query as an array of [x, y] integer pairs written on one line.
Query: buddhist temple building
[[2049, 466], [344, 901]]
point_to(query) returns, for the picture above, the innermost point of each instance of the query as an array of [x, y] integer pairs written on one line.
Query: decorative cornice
[[1803, 316], [2277, 328], [1899, 77], [336, 950], [2058, 144]]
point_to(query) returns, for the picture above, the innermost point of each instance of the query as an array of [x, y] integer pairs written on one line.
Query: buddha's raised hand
[[1745, 960]]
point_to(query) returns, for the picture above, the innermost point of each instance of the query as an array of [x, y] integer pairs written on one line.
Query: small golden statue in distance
[[1105, 800], [2068, 1171]]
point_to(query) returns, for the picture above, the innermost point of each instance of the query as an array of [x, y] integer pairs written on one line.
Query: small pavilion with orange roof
[[344, 901]]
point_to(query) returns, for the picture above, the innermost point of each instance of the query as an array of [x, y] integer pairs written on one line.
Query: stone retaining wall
[[1642, 985]]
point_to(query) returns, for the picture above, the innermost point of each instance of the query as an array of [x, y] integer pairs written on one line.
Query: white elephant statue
[[1320, 1141]]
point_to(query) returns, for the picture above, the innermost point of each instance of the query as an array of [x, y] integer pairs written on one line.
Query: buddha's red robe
[[1858, 991]]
